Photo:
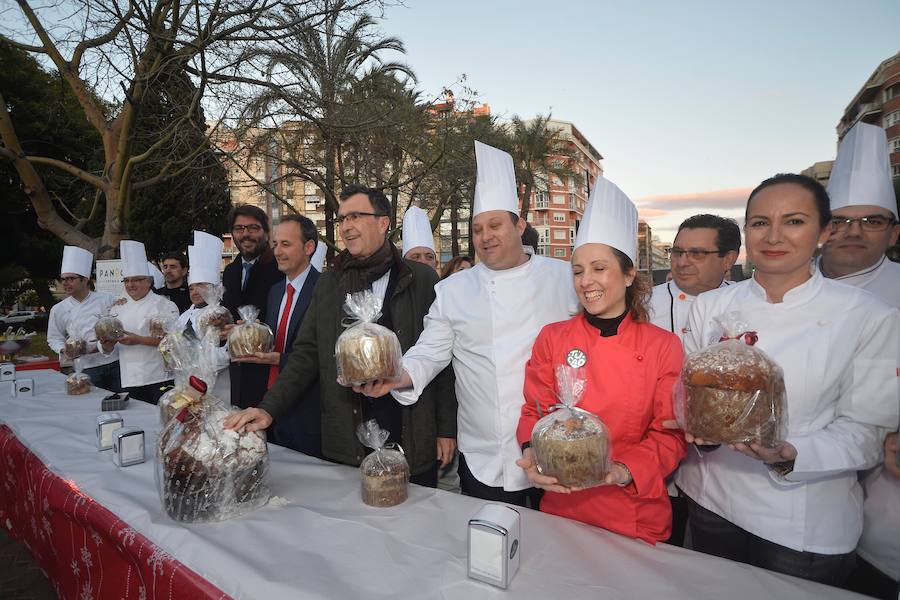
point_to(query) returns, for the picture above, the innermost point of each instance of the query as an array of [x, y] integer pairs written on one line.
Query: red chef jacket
[[629, 386]]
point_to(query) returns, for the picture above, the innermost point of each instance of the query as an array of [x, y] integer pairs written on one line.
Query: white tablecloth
[[325, 543]]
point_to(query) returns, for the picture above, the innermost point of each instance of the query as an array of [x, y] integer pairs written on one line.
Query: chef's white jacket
[[486, 322], [139, 364], [71, 318], [838, 347], [670, 307], [880, 540]]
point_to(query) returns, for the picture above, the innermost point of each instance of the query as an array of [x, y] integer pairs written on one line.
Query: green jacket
[[312, 357]]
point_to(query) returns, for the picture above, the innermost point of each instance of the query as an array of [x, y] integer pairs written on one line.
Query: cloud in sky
[[727, 199], [665, 212], [768, 94]]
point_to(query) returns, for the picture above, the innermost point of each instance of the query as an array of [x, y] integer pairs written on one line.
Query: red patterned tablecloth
[[86, 551]]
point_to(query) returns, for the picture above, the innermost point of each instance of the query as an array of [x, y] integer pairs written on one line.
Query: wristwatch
[[783, 468]]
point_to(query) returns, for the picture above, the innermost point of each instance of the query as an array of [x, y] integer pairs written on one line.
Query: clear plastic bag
[[732, 392], [194, 376], [78, 383], [159, 325], [109, 328], [174, 347], [250, 336], [208, 473], [384, 473], [75, 347], [366, 351], [213, 315], [569, 443]]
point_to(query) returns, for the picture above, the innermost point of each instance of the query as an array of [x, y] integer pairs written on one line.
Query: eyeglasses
[[251, 228], [68, 279], [127, 280], [871, 223], [693, 253], [353, 217]]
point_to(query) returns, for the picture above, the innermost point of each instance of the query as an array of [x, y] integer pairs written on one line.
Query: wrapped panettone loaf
[[384, 473], [250, 336], [569, 443], [366, 351], [731, 392]]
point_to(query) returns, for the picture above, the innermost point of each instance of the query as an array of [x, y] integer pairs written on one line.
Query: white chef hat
[[609, 218], [205, 264], [416, 230], [862, 171], [318, 257], [134, 259], [495, 181], [158, 280], [76, 260], [206, 240]]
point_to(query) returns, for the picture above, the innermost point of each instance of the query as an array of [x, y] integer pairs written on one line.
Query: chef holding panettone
[[629, 367], [205, 258], [141, 365], [795, 505]]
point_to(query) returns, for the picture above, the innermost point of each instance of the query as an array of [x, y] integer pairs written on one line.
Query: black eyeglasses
[[692, 254], [352, 217], [68, 279], [251, 228], [872, 223]]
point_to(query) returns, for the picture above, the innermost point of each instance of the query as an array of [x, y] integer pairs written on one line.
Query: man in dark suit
[[294, 241], [247, 280]]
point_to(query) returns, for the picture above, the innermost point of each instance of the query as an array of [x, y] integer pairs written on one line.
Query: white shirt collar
[[298, 281], [798, 295], [513, 271]]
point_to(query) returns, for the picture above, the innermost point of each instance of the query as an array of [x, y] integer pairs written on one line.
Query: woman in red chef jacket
[[630, 366]]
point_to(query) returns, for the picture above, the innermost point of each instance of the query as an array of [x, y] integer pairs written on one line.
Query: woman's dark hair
[[452, 265], [637, 295], [820, 195], [248, 210]]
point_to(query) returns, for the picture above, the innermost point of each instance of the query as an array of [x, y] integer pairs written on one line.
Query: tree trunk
[[454, 227], [526, 200]]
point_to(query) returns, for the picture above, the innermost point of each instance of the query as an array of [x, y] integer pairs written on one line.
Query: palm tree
[[310, 75], [539, 153]]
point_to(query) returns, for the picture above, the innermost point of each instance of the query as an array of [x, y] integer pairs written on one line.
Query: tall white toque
[[495, 181], [416, 230], [205, 259], [76, 260], [134, 259], [609, 218], [862, 171], [318, 257]]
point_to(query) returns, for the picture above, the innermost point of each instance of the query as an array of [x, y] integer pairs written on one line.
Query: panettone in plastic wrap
[[208, 473], [366, 351], [75, 347], [384, 473], [78, 383], [569, 443], [251, 336], [109, 328], [213, 315], [732, 392]]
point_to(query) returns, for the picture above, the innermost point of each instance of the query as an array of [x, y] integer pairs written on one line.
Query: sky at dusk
[[691, 103]]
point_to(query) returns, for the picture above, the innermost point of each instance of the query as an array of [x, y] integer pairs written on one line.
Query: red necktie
[[282, 332]]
